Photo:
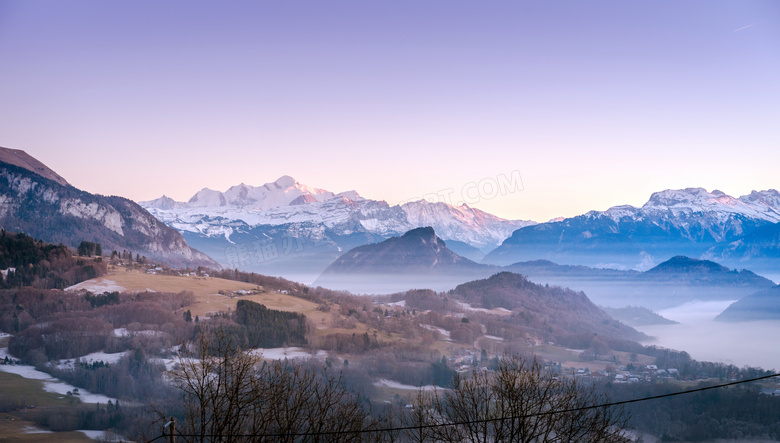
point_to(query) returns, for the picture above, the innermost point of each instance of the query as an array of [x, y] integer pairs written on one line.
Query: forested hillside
[[29, 262]]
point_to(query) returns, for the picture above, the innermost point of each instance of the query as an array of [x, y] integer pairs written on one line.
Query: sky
[[593, 104]]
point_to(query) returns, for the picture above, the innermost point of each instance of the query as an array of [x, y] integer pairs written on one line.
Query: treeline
[[690, 369], [269, 328], [42, 265], [269, 283], [133, 377], [727, 413], [55, 325], [97, 416], [88, 249]]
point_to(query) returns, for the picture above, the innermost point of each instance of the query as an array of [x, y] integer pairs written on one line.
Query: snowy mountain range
[[692, 222], [287, 228], [310, 227]]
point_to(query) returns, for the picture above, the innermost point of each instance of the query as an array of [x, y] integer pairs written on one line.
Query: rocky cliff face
[[55, 212]]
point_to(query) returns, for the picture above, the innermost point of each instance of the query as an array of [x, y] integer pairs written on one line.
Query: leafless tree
[[219, 385], [519, 402], [231, 395]]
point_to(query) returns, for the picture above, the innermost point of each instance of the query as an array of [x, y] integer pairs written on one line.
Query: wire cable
[[487, 420]]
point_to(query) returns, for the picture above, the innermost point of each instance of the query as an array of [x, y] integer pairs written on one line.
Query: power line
[[488, 420]]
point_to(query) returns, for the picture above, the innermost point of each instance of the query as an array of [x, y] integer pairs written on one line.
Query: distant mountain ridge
[[322, 224], [763, 305], [687, 222], [287, 201], [417, 259], [681, 264], [46, 209], [674, 282], [419, 251]]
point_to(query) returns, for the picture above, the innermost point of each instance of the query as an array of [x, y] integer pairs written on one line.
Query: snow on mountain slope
[[214, 214], [695, 210], [462, 223], [282, 192], [677, 203], [206, 198], [165, 202], [761, 206], [279, 193], [683, 221]]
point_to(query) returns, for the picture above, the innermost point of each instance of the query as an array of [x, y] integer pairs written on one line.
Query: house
[[6, 271], [582, 372]]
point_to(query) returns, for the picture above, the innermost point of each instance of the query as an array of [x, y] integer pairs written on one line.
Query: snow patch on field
[[59, 387], [441, 331], [93, 357], [97, 286], [467, 307], [103, 435], [34, 430], [51, 384], [385, 383], [401, 303], [289, 353], [123, 332]]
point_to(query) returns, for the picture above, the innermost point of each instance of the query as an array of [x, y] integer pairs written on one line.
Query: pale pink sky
[[594, 103]]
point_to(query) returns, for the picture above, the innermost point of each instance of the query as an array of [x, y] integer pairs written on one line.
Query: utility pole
[[172, 424]]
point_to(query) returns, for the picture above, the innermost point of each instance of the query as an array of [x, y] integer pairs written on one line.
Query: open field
[[13, 428], [16, 389], [133, 280], [29, 392], [208, 299]]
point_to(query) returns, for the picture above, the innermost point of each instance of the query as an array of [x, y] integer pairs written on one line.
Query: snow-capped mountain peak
[[769, 199], [688, 197], [687, 221], [163, 202], [282, 192], [285, 201], [206, 198], [350, 195], [763, 206], [285, 182]]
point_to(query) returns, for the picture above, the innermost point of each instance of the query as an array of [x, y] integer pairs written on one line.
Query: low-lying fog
[[738, 343], [388, 283]]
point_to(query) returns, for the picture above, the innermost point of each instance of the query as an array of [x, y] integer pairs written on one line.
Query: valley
[[393, 310]]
